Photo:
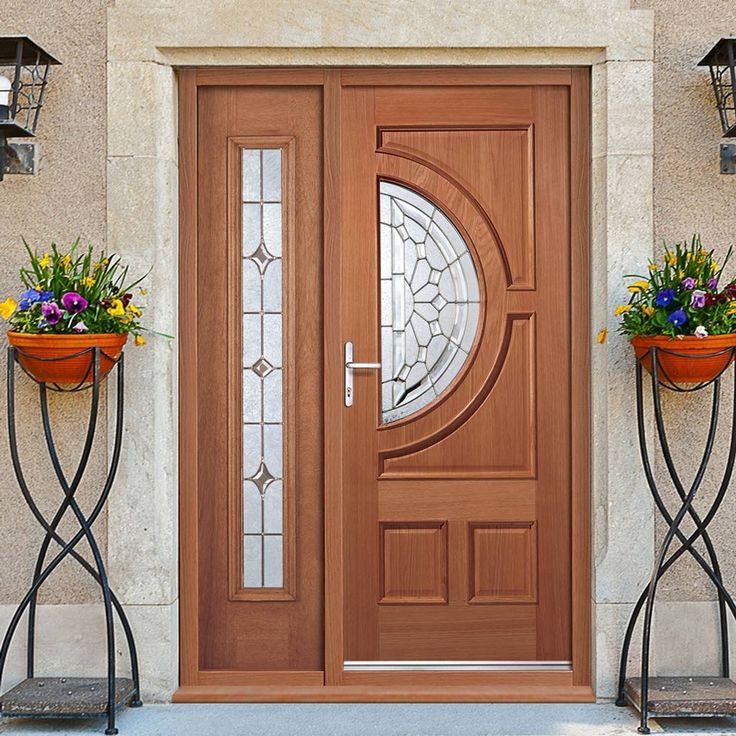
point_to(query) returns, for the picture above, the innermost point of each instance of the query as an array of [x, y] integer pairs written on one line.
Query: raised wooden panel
[[414, 562], [503, 559], [496, 168], [499, 439], [458, 632]]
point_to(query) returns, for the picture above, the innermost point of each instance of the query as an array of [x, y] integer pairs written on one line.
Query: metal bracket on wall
[[20, 158], [728, 158]]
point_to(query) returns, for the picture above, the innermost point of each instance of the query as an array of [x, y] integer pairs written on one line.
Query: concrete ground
[[374, 719]]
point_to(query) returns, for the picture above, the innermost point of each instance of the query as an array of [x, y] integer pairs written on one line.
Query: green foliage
[[681, 296]]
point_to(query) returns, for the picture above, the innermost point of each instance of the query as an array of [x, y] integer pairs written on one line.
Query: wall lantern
[[24, 72], [721, 60]]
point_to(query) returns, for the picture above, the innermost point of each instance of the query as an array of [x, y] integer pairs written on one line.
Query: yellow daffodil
[[45, 262], [66, 261], [621, 309], [134, 310], [714, 266], [688, 256], [653, 267], [680, 273], [731, 308], [602, 335], [7, 308], [639, 286], [670, 259], [139, 340], [649, 311], [88, 281], [117, 309]]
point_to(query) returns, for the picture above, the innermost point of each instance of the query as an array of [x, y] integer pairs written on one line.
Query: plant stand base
[[684, 696], [64, 697]]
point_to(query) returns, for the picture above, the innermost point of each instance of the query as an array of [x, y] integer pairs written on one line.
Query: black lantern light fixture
[[721, 60], [24, 73]]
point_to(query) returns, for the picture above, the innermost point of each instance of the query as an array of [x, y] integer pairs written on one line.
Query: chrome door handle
[[350, 366]]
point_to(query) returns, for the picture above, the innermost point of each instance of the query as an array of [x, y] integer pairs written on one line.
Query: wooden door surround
[[285, 109]]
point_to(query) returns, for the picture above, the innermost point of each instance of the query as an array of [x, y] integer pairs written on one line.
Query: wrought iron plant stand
[[69, 697], [680, 696]]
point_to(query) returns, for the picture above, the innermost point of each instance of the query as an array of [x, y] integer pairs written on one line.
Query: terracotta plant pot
[[35, 350], [688, 359]]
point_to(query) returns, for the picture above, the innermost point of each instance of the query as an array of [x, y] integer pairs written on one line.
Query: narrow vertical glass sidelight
[[263, 486]]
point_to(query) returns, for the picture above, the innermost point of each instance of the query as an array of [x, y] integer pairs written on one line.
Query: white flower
[[700, 331], [80, 327]]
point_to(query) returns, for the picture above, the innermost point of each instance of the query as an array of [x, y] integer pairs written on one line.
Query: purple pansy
[[697, 301], [664, 297], [713, 282], [688, 283], [74, 303], [51, 313], [677, 318]]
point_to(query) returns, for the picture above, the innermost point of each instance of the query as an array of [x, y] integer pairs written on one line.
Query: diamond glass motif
[[263, 486], [430, 301]]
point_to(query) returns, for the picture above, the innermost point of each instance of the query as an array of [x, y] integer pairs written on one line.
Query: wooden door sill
[[378, 694]]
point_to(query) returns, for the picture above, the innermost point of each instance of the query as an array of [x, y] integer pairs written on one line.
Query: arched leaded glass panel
[[429, 301]]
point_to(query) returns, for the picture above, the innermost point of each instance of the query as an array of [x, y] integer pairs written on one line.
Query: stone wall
[[64, 201]]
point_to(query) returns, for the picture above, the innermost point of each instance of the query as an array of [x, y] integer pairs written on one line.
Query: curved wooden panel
[[498, 439], [478, 161], [456, 404]]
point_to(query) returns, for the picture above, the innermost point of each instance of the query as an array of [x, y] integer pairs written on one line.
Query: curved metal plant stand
[[69, 697], [679, 696]]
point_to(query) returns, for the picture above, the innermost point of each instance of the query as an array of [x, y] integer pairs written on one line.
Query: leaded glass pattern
[[263, 488], [429, 301]]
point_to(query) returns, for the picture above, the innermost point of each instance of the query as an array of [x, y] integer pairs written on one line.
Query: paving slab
[[373, 719]]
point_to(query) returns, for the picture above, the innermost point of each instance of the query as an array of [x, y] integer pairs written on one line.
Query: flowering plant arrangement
[[684, 295], [73, 292]]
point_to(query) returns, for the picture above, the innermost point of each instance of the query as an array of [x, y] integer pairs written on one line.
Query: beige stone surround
[[148, 40]]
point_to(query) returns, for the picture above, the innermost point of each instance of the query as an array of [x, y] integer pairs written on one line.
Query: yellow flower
[[143, 292], [649, 311], [45, 262], [602, 335], [134, 310], [688, 256], [639, 286], [620, 309], [66, 261], [117, 309], [670, 259], [88, 281], [714, 266], [653, 267], [139, 340], [731, 308], [7, 308], [680, 273]]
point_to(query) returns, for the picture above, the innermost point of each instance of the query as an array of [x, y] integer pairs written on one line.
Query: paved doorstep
[[374, 719]]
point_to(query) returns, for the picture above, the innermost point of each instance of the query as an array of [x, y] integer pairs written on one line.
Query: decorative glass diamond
[[261, 367], [261, 257], [439, 302], [262, 478]]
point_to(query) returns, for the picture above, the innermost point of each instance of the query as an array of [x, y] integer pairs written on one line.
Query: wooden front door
[[384, 439]]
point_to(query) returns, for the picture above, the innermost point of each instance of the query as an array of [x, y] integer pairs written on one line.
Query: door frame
[[573, 685]]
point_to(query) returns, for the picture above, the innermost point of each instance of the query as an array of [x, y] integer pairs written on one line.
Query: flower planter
[[66, 359], [686, 359]]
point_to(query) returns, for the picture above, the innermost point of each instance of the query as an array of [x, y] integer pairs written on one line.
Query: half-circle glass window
[[429, 301]]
